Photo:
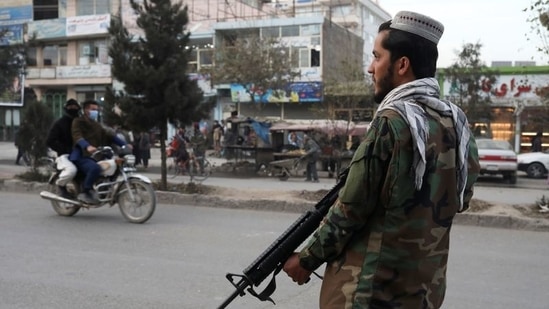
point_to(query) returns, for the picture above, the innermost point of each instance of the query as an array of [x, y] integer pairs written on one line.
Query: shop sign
[[510, 87], [48, 28], [83, 71], [297, 92], [16, 15], [88, 24]]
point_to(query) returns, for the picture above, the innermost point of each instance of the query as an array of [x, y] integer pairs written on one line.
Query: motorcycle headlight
[[130, 159]]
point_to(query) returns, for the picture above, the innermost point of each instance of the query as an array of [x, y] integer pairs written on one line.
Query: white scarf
[[407, 100]]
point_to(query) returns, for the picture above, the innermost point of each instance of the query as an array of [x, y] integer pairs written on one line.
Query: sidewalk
[[500, 194]]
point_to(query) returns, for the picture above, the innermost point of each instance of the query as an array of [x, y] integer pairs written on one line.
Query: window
[[45, 9], [315, 58], [310, 30], [93, 52], [92, 7], [31, 57], [304, 58], [206, 56], [54, 55], [341, 10], [50, 54], [289, 31], [270, 32]]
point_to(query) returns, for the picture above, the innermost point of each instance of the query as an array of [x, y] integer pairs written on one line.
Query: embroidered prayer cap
[[418, 24]]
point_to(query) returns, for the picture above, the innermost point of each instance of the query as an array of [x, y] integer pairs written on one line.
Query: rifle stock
[[273, 258]]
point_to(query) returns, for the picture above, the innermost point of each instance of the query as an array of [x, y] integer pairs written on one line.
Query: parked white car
[[535, 164], [497, 158]]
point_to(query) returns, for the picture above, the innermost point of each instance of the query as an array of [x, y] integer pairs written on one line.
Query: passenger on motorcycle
[[87, 135], [60, 140]]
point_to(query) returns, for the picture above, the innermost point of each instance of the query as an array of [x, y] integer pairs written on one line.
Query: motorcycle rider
[[87, 135], [60, 140]]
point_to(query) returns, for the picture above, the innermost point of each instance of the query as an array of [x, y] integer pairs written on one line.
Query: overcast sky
[[499, 25]]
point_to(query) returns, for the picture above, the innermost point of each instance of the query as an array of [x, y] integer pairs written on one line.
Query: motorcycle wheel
[[64, 209], [142, 208]]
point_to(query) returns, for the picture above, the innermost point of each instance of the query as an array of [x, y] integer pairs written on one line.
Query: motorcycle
[[117, 184]]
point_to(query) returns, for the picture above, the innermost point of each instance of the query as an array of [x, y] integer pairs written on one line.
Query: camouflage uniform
[[386, 243]]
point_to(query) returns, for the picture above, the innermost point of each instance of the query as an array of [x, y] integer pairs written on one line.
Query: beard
[[385, 85]]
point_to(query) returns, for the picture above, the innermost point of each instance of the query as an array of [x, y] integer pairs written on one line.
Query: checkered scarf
[[408, 100]]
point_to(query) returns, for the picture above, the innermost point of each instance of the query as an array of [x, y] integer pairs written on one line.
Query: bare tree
[[471, 81], [539, 23], [261, 65]]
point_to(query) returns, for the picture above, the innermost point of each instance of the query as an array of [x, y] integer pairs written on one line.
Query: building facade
[[520, 104]]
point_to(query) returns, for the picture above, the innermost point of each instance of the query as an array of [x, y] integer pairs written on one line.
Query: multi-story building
[[71, 57]]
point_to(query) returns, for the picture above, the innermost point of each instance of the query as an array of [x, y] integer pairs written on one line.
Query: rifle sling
[[265, 295]]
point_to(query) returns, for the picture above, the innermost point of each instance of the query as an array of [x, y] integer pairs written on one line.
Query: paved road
[[179, 258], [488, 189]]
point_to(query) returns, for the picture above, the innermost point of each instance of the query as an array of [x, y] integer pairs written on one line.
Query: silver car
[[497, 158]]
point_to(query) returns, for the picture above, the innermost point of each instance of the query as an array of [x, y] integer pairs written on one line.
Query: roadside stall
[[335, 138], [247, 143]]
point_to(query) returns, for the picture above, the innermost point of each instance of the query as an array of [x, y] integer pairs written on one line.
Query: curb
[[174, 198]]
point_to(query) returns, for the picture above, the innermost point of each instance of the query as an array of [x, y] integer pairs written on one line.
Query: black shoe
[[64, 193], [89, 197]]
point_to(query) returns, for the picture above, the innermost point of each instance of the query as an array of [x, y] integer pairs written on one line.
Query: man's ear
[[404, 68], [403, 65]]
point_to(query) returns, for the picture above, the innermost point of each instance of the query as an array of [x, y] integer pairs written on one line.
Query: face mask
[[72, 112], [94, 115]]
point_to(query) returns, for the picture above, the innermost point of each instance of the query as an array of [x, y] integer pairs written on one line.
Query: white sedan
[[497, 158], [535, 164]]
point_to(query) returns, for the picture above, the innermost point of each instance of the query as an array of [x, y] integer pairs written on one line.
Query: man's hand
[[91, 149], [294, 270]]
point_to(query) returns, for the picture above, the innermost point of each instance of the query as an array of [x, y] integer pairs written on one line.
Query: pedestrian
[[145, 148], [385, 241], [217, 135], [21, 153], [536, 142], [312, 152], [136, 151]]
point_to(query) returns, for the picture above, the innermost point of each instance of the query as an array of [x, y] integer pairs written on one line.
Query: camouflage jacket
[[386, 243]]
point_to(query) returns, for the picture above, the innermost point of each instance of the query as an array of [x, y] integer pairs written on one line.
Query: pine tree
[[37, 119], [153, 70]]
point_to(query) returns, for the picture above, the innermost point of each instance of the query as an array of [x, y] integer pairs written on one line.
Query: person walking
[[385, 241], [537, 142], [312, 152], [20, 151], [145, 148]]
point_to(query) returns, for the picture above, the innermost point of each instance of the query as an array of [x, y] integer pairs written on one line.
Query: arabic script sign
[[509, 87]]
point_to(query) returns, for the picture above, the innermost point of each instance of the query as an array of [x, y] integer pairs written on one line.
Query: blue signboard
[[15, 15], [298, 92], [13, 35]]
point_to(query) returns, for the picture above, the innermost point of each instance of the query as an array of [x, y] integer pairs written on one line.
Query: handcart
[[283, 169]]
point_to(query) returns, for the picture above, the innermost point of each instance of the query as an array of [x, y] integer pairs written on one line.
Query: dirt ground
[[476, 206]]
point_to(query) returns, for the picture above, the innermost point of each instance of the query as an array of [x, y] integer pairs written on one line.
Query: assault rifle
[[273, 258]]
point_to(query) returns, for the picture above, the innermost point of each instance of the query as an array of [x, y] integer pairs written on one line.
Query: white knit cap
[[419, 24]]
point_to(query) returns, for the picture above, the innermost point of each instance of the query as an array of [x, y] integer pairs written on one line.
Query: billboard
[[13, 35], [297, 92], [13, 95]]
